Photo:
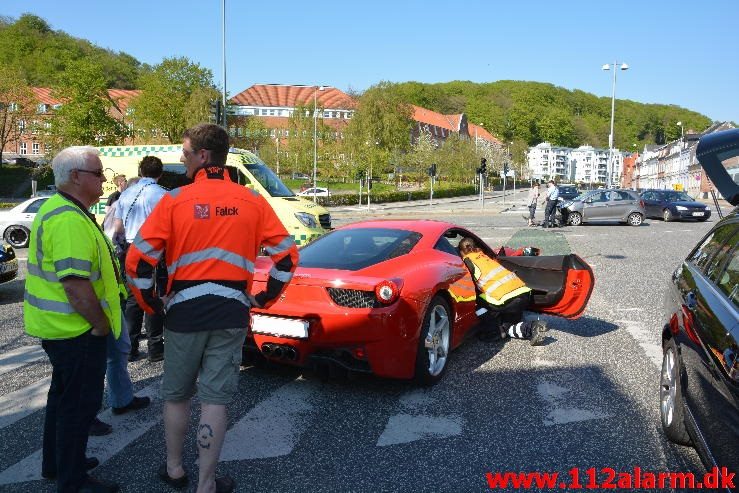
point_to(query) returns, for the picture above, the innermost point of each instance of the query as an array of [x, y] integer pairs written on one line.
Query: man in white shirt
[[132, 209], [550, 211]]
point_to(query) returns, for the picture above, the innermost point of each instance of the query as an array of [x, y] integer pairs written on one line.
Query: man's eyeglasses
[[98, 172]]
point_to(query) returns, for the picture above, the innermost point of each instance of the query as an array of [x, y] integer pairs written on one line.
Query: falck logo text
[[202, 211]]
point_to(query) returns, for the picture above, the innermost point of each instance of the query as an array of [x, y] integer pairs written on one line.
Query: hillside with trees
[[534, 112], [42, 54]]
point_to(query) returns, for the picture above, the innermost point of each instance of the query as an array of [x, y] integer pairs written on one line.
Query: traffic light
[[216, 111], [483, 169], [506, 168], [359, 175], [432, 170]]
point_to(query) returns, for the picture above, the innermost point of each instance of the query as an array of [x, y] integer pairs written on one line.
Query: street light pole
[[315, 138], [609, 167], [223, 25], [682, 132]]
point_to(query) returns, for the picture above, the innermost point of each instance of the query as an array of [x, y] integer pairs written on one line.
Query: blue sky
[[679, 53]]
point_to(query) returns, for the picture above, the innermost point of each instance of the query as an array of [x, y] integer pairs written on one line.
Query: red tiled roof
[[481, 133], [284, 122], [284, 96], [121, 97], [433, 118]]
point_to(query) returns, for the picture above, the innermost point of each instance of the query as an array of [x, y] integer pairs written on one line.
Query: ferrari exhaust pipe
[[291, 353], [267, 350], [278, 352]]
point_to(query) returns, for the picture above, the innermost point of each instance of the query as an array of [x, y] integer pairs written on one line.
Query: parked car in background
[[618, 205], [671, 205], [15, 224], [317, 191], [567, 192], [8, 263], [699, 382]]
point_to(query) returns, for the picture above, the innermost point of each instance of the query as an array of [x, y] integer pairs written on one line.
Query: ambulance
[[303, 219]]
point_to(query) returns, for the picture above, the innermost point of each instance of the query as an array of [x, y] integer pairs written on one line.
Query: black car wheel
[[575, 218], [667, 215], [17, 236], [434, 342], [635, 219], [671, 408]]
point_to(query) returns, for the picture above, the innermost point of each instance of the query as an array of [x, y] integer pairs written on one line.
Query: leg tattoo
[[205, 434]]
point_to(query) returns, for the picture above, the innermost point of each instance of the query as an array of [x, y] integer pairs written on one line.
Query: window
[[23, 148], [619, 195], [41, 108], [728, 282], [272, 112], [716, 242], [264, 112], [21, 125], [35, 148]]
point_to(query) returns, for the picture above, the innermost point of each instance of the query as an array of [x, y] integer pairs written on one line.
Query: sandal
[[176, 483]]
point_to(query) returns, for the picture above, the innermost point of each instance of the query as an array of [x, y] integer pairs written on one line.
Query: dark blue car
[[699, 382], [672, 205]]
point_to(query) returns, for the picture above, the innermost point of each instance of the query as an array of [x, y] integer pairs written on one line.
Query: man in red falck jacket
[[210, 233]]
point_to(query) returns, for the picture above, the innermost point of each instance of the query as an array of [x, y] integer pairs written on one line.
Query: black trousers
[[503, 317], [135, 316], [549, 213], [75, 394]]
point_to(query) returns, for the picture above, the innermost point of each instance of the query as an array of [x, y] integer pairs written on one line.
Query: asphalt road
[[587, 398]]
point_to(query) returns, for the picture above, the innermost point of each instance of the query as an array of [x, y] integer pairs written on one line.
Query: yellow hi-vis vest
[[65, 242], [496, 283]]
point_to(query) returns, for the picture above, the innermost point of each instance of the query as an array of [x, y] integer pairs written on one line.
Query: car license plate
[[11, 266], [278, 326], [698, 213]]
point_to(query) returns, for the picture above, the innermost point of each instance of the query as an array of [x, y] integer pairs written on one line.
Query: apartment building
[[586, 164]]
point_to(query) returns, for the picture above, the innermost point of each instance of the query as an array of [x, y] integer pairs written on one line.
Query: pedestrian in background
[[72, 302], [120, 183], [532, 200], [210, 232], [135, 205], [552, 197]]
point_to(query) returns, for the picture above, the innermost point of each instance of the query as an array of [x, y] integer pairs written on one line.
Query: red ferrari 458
[[393, 298]]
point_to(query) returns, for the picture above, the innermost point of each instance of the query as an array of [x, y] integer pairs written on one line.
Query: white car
[[15, 224], [318, 192]]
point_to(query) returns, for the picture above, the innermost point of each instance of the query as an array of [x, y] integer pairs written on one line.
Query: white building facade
[[586, 164]]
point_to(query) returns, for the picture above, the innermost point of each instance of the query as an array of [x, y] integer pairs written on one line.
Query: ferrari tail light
[[387, 292]]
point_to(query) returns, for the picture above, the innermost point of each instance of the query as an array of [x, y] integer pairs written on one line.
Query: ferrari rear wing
[[713, 149]]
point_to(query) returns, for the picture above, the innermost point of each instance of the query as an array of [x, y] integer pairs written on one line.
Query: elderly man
[[73, 303], [210, 232]]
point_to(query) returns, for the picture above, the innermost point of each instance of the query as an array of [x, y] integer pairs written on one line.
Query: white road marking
[[646, 339], [273, 427], [22, 402], [126, 428], [556, 397], [404, 428], [20, 357]]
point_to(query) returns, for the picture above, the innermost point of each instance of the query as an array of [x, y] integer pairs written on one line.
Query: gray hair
[[68, 159]]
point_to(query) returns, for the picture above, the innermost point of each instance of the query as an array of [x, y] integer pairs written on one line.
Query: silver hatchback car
[[618, 205]]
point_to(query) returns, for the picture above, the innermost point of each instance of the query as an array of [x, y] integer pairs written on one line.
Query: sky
[[678, 52]]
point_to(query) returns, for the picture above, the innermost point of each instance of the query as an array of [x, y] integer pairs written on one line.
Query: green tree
[[175, 95], [17, 104], [380, 128], [85, 117]]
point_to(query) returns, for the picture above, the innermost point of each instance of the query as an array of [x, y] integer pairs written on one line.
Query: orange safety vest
[[210, 233], [496, 283]]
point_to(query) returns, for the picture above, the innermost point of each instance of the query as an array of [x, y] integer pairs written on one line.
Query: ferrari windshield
[[357, 248]]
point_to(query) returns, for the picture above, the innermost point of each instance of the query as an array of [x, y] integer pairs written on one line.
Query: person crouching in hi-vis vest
[[72, 302], [501, 292]]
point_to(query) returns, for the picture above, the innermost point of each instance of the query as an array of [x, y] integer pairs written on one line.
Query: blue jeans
[[120, 388], [77, 375]]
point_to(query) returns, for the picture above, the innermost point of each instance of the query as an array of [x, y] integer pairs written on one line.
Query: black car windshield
[[568, 190], [676, 197], [357, 248]]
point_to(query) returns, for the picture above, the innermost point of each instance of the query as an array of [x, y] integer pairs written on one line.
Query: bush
[[396, 196]]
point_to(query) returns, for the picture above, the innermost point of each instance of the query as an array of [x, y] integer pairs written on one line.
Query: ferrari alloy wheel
[[17, 236], [671, 397], [575, 219], [434, 343], [667, 215], [635, 219]]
